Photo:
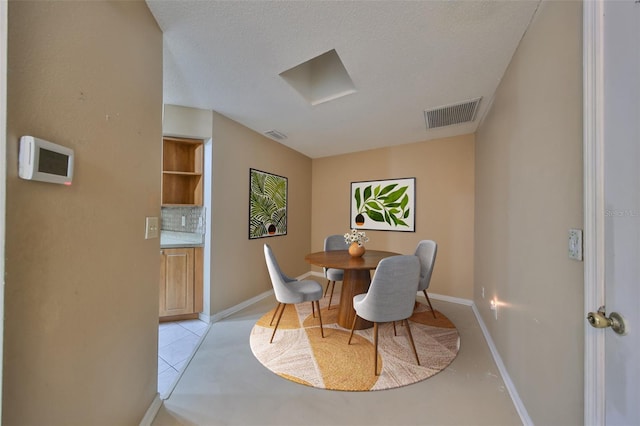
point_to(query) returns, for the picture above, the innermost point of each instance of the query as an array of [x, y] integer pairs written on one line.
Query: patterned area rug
[[298, 352]]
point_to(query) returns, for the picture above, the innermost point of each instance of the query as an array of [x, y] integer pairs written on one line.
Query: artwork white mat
[[384, 205]]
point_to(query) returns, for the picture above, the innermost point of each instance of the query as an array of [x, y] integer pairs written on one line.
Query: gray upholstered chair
[[391, 297], [290, 290], [333, 242], [426, 252]]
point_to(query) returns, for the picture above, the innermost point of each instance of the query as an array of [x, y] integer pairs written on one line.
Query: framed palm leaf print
[[384, 205], [267, 204]]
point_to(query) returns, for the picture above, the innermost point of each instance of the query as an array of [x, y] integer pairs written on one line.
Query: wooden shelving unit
[[182, 167]]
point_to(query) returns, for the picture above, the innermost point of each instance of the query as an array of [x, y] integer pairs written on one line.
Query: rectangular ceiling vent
[[452, 114], [274, 134]]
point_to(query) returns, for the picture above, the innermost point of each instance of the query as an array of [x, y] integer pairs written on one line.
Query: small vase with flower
[[356, 240]]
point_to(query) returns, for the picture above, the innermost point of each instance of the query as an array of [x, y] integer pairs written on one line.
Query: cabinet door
[[176, 282]]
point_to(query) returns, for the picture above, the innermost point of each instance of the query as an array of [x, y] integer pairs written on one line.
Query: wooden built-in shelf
[[182, 166]]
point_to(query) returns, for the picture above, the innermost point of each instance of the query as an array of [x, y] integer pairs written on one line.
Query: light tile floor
[[177, 341]]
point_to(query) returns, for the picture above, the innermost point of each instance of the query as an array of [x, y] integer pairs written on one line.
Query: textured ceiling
[[403, 58]]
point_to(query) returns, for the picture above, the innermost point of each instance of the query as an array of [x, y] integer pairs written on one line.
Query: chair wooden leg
[[375, 343], [394, 329], [274, 313], [326, 290], [333, 286], [313, 309], [353, 326], [320, 317], [411, 341], [284, 305], [429, 301]]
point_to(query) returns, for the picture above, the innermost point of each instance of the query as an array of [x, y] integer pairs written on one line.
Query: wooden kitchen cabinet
[[182, 171], [180, 283]]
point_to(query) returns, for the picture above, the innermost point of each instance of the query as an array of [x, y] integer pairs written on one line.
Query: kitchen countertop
[[169, 239]]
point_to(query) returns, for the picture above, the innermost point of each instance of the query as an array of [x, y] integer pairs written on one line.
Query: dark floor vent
[[452, 114]]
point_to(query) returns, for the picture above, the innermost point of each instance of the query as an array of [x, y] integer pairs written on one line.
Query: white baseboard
[[444, 298], [517, 402], [522, 411], [152, 411], [232, 310]]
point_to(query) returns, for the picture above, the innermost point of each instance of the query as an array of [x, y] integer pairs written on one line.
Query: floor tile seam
[[174, 363], [188, 329], [203, 328], [182, 333], [171, 369], [177, 361], [165, 361], [173, 342], [160, 371], [179, 331], [190, 336], [180, 327]]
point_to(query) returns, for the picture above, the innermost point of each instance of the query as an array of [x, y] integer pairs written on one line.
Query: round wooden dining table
[[357, 278]]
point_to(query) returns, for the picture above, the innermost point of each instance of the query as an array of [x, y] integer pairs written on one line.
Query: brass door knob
[[615, 321], [598, 320]]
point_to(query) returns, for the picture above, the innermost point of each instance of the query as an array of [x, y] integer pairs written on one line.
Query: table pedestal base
[[355, 282]]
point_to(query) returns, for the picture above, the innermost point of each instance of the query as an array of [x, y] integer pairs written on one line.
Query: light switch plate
[[151, 229], [575, 244]]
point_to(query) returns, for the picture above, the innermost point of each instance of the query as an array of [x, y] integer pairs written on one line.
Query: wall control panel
[[45, 161]]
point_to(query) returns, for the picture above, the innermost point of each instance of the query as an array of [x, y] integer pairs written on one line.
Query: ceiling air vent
[[274, 134], [452, 114]]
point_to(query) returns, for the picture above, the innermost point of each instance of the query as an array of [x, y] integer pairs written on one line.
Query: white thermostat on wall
[[45, 161]]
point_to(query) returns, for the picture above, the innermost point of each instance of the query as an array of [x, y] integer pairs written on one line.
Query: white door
[[622, 208], [617, 214]]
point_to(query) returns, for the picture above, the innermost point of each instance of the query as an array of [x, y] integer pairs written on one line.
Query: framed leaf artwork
[[267, 204], [384, 205]]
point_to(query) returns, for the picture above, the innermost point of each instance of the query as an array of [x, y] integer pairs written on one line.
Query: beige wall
[[528, 195], [444, 172], [238, 269], [187, 122], [82, 283]]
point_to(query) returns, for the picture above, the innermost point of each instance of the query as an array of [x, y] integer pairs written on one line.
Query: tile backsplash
[[183, 219]]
